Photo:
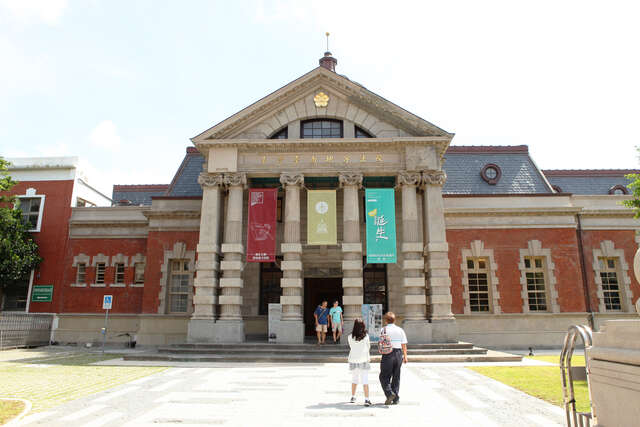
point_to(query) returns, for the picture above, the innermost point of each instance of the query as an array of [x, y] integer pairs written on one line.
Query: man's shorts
[[337, 327], [321, 328]]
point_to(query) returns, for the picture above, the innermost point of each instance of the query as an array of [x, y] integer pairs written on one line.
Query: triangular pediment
[[347, 101]]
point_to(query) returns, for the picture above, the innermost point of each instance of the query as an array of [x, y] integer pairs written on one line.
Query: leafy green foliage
[[634, 203], [18, 251], [6, 183]]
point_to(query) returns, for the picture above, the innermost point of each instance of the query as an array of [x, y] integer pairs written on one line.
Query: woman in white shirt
[[359, 359]]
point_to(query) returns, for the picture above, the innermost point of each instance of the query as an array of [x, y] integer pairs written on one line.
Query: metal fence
[[24, 329]]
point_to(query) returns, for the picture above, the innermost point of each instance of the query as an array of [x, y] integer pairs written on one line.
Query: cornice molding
[[350, 178]]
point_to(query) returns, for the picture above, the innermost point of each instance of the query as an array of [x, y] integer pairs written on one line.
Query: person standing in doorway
[[337, 322], [359, 358], [321, 315], [391, 363]]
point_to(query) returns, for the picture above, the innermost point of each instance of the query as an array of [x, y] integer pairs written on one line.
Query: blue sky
[[125, 84]]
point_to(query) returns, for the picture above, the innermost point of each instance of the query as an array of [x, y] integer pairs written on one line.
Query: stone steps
[[308, 358], [311, 353]]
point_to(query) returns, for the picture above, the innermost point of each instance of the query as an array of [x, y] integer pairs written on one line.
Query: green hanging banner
[[381, 225], [321, 217]]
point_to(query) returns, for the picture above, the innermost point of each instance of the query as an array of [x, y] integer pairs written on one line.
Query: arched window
[[361, 133], [321, 128], [281, 134], [618, 190]]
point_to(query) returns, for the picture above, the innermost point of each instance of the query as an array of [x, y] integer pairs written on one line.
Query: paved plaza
[[301, 394]]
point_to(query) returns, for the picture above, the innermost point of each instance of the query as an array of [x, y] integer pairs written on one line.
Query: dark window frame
[[487, 178], [305, 122]]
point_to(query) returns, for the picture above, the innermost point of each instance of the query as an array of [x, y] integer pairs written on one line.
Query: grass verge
[[49, 382], [9, 409], [543, 382]]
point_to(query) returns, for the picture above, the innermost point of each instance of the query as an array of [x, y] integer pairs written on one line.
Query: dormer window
[[323, 128], [361, 133], [618, 190], [281, 134]]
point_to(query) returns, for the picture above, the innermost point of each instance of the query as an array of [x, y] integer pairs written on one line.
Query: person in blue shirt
[[335, 317], [322, 320]]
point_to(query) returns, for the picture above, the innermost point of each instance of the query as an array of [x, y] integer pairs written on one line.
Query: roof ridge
[[589, 172], [488, 149]]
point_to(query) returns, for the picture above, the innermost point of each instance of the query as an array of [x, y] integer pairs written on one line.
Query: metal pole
[[104, 334]]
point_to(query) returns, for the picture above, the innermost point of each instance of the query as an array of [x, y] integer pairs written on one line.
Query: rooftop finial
[[328, 61]]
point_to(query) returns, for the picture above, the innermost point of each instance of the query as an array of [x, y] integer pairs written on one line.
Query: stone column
[[352, 282], [436, 255], [415, 323], [230, 325], [206, 282], [291, 327]]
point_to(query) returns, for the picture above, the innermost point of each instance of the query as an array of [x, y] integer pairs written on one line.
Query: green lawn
[[9, 409], [543, 382], [576, 360], [50, 380]]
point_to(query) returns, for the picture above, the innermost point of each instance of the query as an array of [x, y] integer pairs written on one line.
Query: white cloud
[[48, 11], [105, 135], [26, 74]]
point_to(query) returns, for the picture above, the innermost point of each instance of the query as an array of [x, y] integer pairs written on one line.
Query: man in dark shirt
[[322, 320]]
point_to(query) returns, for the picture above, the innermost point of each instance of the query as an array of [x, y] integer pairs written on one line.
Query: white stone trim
[[607, 250], [81, 258], [179, 251], [100, 258], [120, 258], [31, 194], [534, 249], [477, 250]]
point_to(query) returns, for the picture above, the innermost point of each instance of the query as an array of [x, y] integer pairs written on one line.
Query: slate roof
[[588, 181], [185, 181], [520, 175], [137, 194]]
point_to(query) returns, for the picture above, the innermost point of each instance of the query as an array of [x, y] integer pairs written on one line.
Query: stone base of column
[[290, 332], [210, 331], [444, 331], [418, 331]]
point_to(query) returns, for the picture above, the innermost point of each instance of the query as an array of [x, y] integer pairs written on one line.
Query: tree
[[634, 203], [18, 250]]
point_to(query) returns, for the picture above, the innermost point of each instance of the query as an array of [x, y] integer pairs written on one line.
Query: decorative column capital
[[434, 177], [238, 179], [291, 178], [210, 179], [350, 178], [409, 178]]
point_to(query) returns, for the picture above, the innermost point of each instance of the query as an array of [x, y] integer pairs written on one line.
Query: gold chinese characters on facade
[[321, 99]]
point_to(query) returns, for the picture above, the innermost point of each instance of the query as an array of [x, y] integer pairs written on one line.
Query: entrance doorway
[[315, 291]]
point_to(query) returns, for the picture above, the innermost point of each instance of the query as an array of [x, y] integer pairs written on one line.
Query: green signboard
[[381, 225], [42, 293], [321, 217]]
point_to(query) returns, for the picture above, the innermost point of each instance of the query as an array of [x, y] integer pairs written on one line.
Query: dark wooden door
[[315, 291]]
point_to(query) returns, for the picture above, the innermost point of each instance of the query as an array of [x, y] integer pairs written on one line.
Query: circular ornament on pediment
[[321, 100], [491, 173]]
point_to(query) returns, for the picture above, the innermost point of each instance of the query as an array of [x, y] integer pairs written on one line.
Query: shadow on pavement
[[346, 406]]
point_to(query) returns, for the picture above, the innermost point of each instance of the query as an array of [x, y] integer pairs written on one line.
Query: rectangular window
[[139, 272], [81, 276], [100, 269], [120, 272], [478, 285], [610, 286], [179, 286], [536, 290], [30, 207]]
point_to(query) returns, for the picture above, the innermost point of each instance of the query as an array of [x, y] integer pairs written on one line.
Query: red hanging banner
[[261, 229]]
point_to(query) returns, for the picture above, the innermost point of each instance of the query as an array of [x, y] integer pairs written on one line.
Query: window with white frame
[[31, 208], [138, 269], [81, 273], [536, 287], [478, 280], [179, 286], [101, 267], [610, 284], [119, 273]]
